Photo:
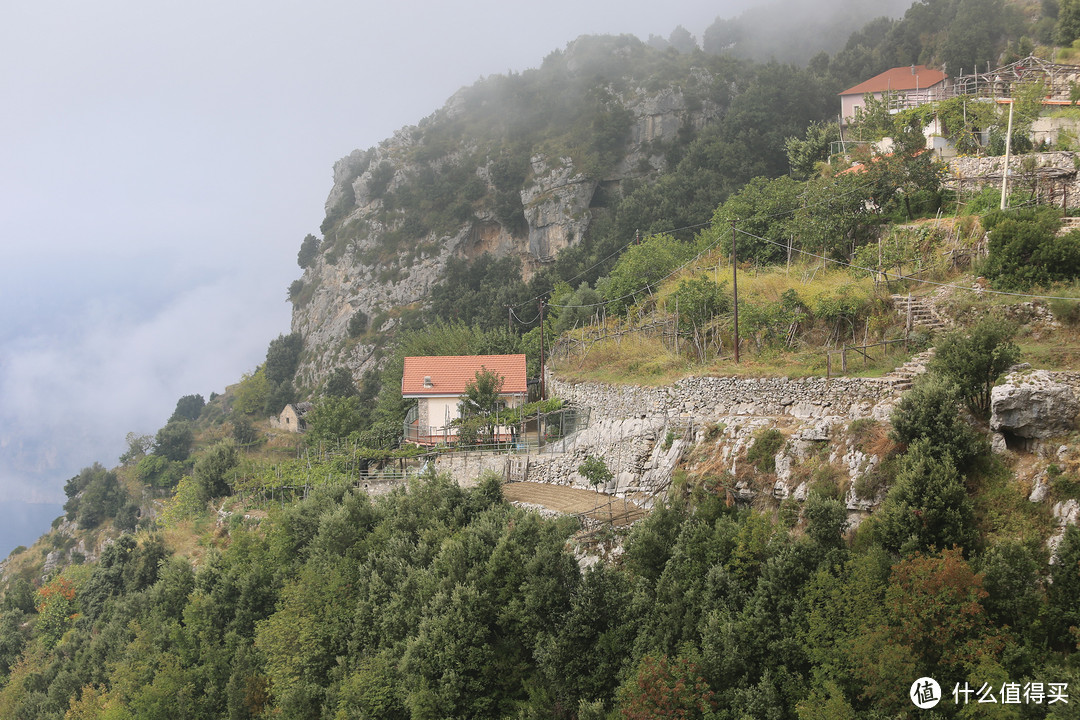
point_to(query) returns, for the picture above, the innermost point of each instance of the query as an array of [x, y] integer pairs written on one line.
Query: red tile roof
[[450, 374], [899, 79]]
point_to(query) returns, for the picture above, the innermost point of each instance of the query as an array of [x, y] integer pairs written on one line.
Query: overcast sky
[[161, 163]]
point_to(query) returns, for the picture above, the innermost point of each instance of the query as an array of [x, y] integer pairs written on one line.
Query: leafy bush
[[762, 454], [974, 359], [212, 471], [358, 324], [283, 357], [928, 506], [641, 268], [1026, 251], [173, 441], [188, 407], [930, 412], [596, 471], [158, 471], [93, 495]]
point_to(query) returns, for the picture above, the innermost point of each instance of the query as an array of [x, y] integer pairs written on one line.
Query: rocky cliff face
[[377, 258]]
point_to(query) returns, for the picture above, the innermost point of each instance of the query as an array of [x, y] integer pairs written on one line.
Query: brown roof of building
[[449, 374], [899, 79]]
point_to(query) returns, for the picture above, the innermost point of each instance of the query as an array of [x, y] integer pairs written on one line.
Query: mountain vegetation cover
[[250, 574]]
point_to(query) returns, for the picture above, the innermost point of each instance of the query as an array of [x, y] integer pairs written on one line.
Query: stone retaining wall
[[974, 173], [705, 398]]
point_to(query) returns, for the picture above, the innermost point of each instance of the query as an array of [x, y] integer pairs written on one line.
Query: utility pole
[[543, 395], [1008, 150], [735, 289]]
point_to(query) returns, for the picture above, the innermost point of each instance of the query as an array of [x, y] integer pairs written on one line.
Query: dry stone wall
[[1055, 173], [643, 433], [705, 398]]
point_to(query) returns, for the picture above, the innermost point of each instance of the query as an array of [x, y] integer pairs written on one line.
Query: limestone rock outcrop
[[375, 260], [1033, 404]]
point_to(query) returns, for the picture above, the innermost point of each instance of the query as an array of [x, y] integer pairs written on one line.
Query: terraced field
[[573, 501]]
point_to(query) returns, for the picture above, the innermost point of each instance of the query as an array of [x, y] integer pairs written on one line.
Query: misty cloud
[[162, 163], [70, 397]]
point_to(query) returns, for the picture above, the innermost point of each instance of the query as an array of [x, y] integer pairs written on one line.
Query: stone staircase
[[923, 314], [1068, 224], [902, 377]]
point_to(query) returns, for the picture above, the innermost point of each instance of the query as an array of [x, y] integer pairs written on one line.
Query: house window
[[427, 381]]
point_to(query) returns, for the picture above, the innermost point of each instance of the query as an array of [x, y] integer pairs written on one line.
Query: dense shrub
[[762, 454], [927, 507], [1026, 250], [931, 412], [975, 358]]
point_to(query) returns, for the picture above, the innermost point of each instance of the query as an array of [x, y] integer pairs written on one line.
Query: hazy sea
[[22, 523]]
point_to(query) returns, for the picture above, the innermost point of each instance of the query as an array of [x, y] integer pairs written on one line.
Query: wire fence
[[661, 327], [863, 351]]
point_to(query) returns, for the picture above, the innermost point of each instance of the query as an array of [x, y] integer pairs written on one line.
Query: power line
[[648, 286]]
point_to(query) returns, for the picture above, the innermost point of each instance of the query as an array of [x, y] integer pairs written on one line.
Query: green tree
[[1026, 251], [243, 432], [479, 291], [832, 218], [583, 655], [138, 445], [762, 211], [930, 411], [157, 471], [188, 407], [174, 440], [1068, 23], [681, 39], [212, 469], [927, 506], [333, 419], [283, 357], [372, 691], [309, 250], [1012, 577], [573, 308], [975, 358], [826, 520], [806, 153], [1062, 610], [251, 393], [339, 383], [278, 396], [93, 495], [479, 404], [358, 324], [640, 270], [596, 471], [698, 301]]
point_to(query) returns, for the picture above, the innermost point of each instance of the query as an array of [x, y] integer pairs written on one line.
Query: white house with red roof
[[908, 86], [438, 382]]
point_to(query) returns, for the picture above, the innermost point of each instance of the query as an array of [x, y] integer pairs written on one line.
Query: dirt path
[[573, 501]]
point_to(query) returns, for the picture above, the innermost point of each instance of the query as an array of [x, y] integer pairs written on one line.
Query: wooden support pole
[[735, 289]]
